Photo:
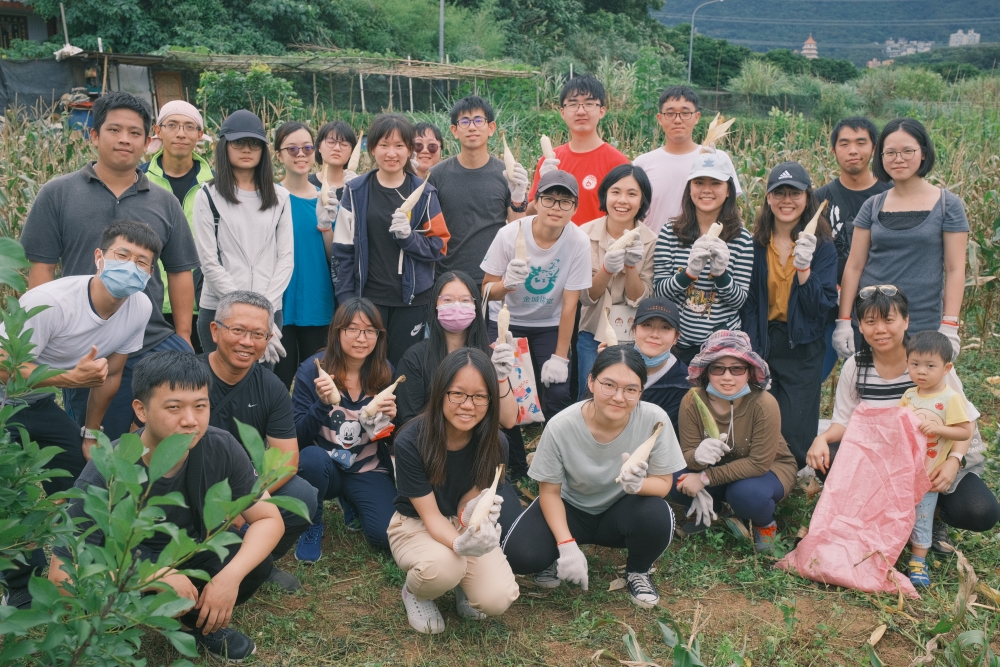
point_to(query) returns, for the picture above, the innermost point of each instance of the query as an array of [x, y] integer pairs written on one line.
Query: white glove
[[517, 272], [400, 227], [503, 358], [470, 507], [843, 338], [548, 164], [375, 424], [326, 215], [555, 370], [349, 176], [703, 508], [274, 351], [571, 565], [803, 251], [720, 256], [631, 479], [477, 541], [711, 450], [951, 332], [614, 261], [518, 184], [634, 253], [701, 252]]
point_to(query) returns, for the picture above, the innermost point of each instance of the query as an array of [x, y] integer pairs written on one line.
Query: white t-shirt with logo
[[565, 266]]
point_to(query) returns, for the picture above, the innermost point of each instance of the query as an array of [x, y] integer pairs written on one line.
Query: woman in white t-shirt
[[542, 292], [586, 495]]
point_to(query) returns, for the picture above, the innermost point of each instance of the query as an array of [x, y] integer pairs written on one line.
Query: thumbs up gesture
[[89, 371]]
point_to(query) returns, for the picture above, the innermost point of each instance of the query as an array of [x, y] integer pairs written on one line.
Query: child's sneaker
[[940, 541], [547, 578], [919, 576], [764, 538]]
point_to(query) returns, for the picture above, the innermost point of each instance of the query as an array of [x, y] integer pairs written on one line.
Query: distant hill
[[853, 30]]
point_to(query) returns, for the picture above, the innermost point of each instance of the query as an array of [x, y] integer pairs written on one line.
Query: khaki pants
[[432, 569]]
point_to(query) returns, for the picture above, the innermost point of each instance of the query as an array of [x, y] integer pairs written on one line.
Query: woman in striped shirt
[[707, 278]]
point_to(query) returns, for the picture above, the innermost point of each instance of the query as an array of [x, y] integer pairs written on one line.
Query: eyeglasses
[[478, 121], [239, 332], [126, 255], [589, 106], [736, 371], [683, 115], [564, 204], [907, 154], [787, 193], [354, 332], [609, 388], [294, 150], [187, 128], [449, 300], [430, 148], [459, 397], [334, 142], [253, 144], [869, 292]]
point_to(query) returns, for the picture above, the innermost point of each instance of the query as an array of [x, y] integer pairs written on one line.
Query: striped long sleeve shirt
[[707, 304]]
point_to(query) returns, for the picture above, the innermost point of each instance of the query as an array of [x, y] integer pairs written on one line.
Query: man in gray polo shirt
[[70, 212]]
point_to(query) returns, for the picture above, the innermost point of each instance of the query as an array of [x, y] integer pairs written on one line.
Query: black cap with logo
[[661, 307], [789, 173]]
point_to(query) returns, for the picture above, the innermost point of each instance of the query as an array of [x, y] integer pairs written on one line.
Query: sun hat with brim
[[715, 164], [243, 124], [728, 344]]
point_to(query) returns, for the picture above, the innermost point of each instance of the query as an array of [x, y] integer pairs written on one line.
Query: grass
[[349, 611]]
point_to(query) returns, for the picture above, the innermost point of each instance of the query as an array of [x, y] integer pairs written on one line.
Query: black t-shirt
[[224, 459], [411, 477], [181, 185], [843, 208], [384, 285], [259, 399]]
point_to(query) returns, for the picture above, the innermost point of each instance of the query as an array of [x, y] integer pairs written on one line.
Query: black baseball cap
[[789, 173], [658, 306], [560, 179], [243, 124]]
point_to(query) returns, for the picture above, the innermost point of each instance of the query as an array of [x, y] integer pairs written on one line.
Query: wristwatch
[[519, 208], [960, 457], [84, 432], [704, 478]]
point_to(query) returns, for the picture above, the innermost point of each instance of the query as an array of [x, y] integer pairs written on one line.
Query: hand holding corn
[[803, 251], [720, 257], [701, 253], [496, 505], [517, 181], [711, 450], [632, 475], [503, 357], [634, 252], [400, 226], [477, 541], [517, 272], [326, 214], [614, 261]]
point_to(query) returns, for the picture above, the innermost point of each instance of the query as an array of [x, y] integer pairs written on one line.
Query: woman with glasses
[[878, 374], [913, 236], [749, 465], [427, 146], [335, 143], [308, 302], [243, 227], [794, 287], [382, 253], [343, 453], [586, 495], [446, 459]]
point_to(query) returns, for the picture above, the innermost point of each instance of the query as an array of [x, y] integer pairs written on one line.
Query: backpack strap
[[215, 217]]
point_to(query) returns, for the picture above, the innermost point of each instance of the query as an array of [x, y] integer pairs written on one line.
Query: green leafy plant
[[258, 90]]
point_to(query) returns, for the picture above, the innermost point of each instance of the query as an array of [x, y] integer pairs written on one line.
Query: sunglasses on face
[[253, 144], [738, 370], [295, 150], [430, 148]]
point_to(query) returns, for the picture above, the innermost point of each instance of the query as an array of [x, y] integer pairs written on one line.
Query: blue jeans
[[586, 355], [372, 493], [921, 537], [753, 498], [119, 417], [296, 487]]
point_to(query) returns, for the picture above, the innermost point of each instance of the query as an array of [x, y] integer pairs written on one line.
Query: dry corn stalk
[[717, 129]]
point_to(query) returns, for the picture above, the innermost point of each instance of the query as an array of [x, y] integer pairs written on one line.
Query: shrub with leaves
[[258, 90]]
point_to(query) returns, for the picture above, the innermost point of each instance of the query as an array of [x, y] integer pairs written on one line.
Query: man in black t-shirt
[[171, 396], [853, 140], [244, 390]]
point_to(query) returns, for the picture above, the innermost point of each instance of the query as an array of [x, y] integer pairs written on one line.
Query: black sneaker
[[641, 590], [228, 644], [940, 542], [17, 597], [284, 580]]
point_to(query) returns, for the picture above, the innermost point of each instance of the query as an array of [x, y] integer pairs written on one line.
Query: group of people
[[352, 319]]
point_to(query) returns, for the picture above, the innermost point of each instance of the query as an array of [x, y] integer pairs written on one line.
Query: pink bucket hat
[[729, 344]]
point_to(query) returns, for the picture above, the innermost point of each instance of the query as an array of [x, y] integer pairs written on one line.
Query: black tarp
[[31, 85]]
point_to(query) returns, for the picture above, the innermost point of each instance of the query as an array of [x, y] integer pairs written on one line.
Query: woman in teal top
[[308, 303]]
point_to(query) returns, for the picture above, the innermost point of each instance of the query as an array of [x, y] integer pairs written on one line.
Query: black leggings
[[300, 343], [644, 525]]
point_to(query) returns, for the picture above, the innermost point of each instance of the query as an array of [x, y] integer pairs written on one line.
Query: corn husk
[[520, 245], [811, 227], [503, 324], [352, 164], [370, 409], [707, 420], [641, 455], [508, 157], [485, 504], [714, 231], [610, 337], [627, 239], [324, 374], [411, 201], [547, 148], [717, 129]]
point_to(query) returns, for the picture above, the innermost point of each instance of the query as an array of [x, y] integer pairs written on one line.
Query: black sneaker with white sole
[[17, 597], [940, 541], [641, 590], [227, 644]]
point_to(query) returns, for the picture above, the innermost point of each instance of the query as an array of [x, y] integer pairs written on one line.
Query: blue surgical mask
[[718, 394], [123, 279], [653, 362]]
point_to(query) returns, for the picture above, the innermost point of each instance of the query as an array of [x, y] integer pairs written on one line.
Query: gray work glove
[[326, 214], [400, 226], [517, 272], [631, 479], [375, 424], [470, 507], [950, 331], [477, 541], [711, 450], [571, 565], [703, 508], [634, 253], [803, 251], [720, 256], [614, 261], [518, 184], [503, 358], [548, 164], [275, 350], [349, 176], [843, 338], [555, 371], [701, 252]]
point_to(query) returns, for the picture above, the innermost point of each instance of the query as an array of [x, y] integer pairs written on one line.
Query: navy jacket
[[808, 304], [668, 391]]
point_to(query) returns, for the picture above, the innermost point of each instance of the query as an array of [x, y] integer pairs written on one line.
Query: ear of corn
[[610, 337], [485, 504], [520, 245], [503, 324], [625, 241], [641, 455], [714, 231], [547, 147], [707, 420], [811, 227], [508, 157], [352, 164], [370, 409], [324, 374], [412, 200], [717, 129]]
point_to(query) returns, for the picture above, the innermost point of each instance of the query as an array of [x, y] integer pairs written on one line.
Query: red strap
[[565, 541], [951, 324]]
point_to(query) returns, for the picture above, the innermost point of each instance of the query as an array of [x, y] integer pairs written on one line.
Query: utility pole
[[441, 34], [691, 41]]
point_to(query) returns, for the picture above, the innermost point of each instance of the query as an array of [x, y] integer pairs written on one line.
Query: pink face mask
[[455, 317]]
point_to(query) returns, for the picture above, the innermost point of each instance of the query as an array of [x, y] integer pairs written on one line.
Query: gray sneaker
[[940, 541], [547, 578], [284, 580], [227, 644]]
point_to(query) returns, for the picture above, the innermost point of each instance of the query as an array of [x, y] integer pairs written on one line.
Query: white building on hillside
[[902, 47], [963, 38], [809, 49]]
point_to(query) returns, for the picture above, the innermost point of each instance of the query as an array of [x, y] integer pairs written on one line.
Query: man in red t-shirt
[[586, 156]]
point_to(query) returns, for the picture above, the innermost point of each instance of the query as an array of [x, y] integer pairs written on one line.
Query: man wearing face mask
[[90, 326]]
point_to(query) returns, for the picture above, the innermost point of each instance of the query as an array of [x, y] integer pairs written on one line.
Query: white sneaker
[[464, 607], [547, 578], [423, 615]]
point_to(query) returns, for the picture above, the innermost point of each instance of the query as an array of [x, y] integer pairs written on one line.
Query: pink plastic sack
[[867, 510]]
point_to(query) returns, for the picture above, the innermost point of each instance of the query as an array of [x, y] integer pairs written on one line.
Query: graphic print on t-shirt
[[589, 182], [541, 281], [343, 429]]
